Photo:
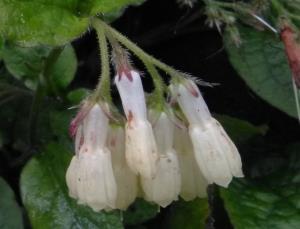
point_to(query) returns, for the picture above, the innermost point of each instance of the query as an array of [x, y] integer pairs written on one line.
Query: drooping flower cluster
[[115, 164]]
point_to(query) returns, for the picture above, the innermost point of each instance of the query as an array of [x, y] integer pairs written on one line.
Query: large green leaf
[[52, 22], [45, 195], [269, 202], [187, 215], [139, 212], [262, 63], [41, 21], [27, 64], [10, 212]]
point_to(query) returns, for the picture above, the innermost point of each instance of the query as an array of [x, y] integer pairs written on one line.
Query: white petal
[[210, 158], [165, 187], [141, 150], [126, 180], [163, 130], [95, 127], [193, 183], [71, 177], [224, 144], [132, 95], [96, 184], [192, 103]]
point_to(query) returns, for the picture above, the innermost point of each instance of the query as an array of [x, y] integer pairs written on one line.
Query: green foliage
[[52, 22], [268, 202], [10, 212], [28, 65], [188, 215], [262, 63], [45, 195], [139, 212]]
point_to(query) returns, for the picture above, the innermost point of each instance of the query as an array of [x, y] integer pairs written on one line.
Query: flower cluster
[[114, 164]]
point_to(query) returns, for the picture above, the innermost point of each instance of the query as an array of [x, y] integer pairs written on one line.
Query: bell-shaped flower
[[216, 154], [90, 177], [141, 150], [193, 183], [126, 180], [165, 186]]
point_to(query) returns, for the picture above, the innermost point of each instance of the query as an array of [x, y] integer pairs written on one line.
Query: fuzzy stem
[[145, 57], [103, 88]]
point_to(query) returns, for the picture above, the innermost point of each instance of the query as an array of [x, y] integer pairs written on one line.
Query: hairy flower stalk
[[165, 186], [216, 154], [90, 177], [126, 180], [141, 150]]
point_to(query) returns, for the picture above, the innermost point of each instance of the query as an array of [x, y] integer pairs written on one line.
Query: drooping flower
[[165, 186], [126, 180], [90, 177], [193, 183], [141, 150], [215, 153]]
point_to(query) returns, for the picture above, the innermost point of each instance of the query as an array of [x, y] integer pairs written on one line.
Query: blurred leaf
[[76, 96], [53, 22], [64, 69], [10, 212], [187, 215], [27, 64], [269, 202], [40, 21], [45, 195], [239, 130], [262, 63], [140, 212]]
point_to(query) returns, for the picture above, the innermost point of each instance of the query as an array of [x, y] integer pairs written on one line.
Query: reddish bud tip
[[292, 50]]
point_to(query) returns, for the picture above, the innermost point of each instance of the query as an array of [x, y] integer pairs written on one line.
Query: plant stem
[[145, 57], [103, 87], [40, 92]]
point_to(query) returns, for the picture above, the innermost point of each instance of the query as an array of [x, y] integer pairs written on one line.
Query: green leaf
[[262, 63], [10, 212], [64, 69], [140, 212], [45, 195], [239, 130], [41, 21], [187, 215], [269, 202], [53, 22], [76, 96], [27, 65]]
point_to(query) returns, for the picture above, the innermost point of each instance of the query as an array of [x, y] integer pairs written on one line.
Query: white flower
[[165, 187], [193, 183], [90, 177], [126, 180], [141, 150], [216, 155]]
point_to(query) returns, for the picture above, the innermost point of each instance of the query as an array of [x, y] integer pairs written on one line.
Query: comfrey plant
[[119, 158]]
